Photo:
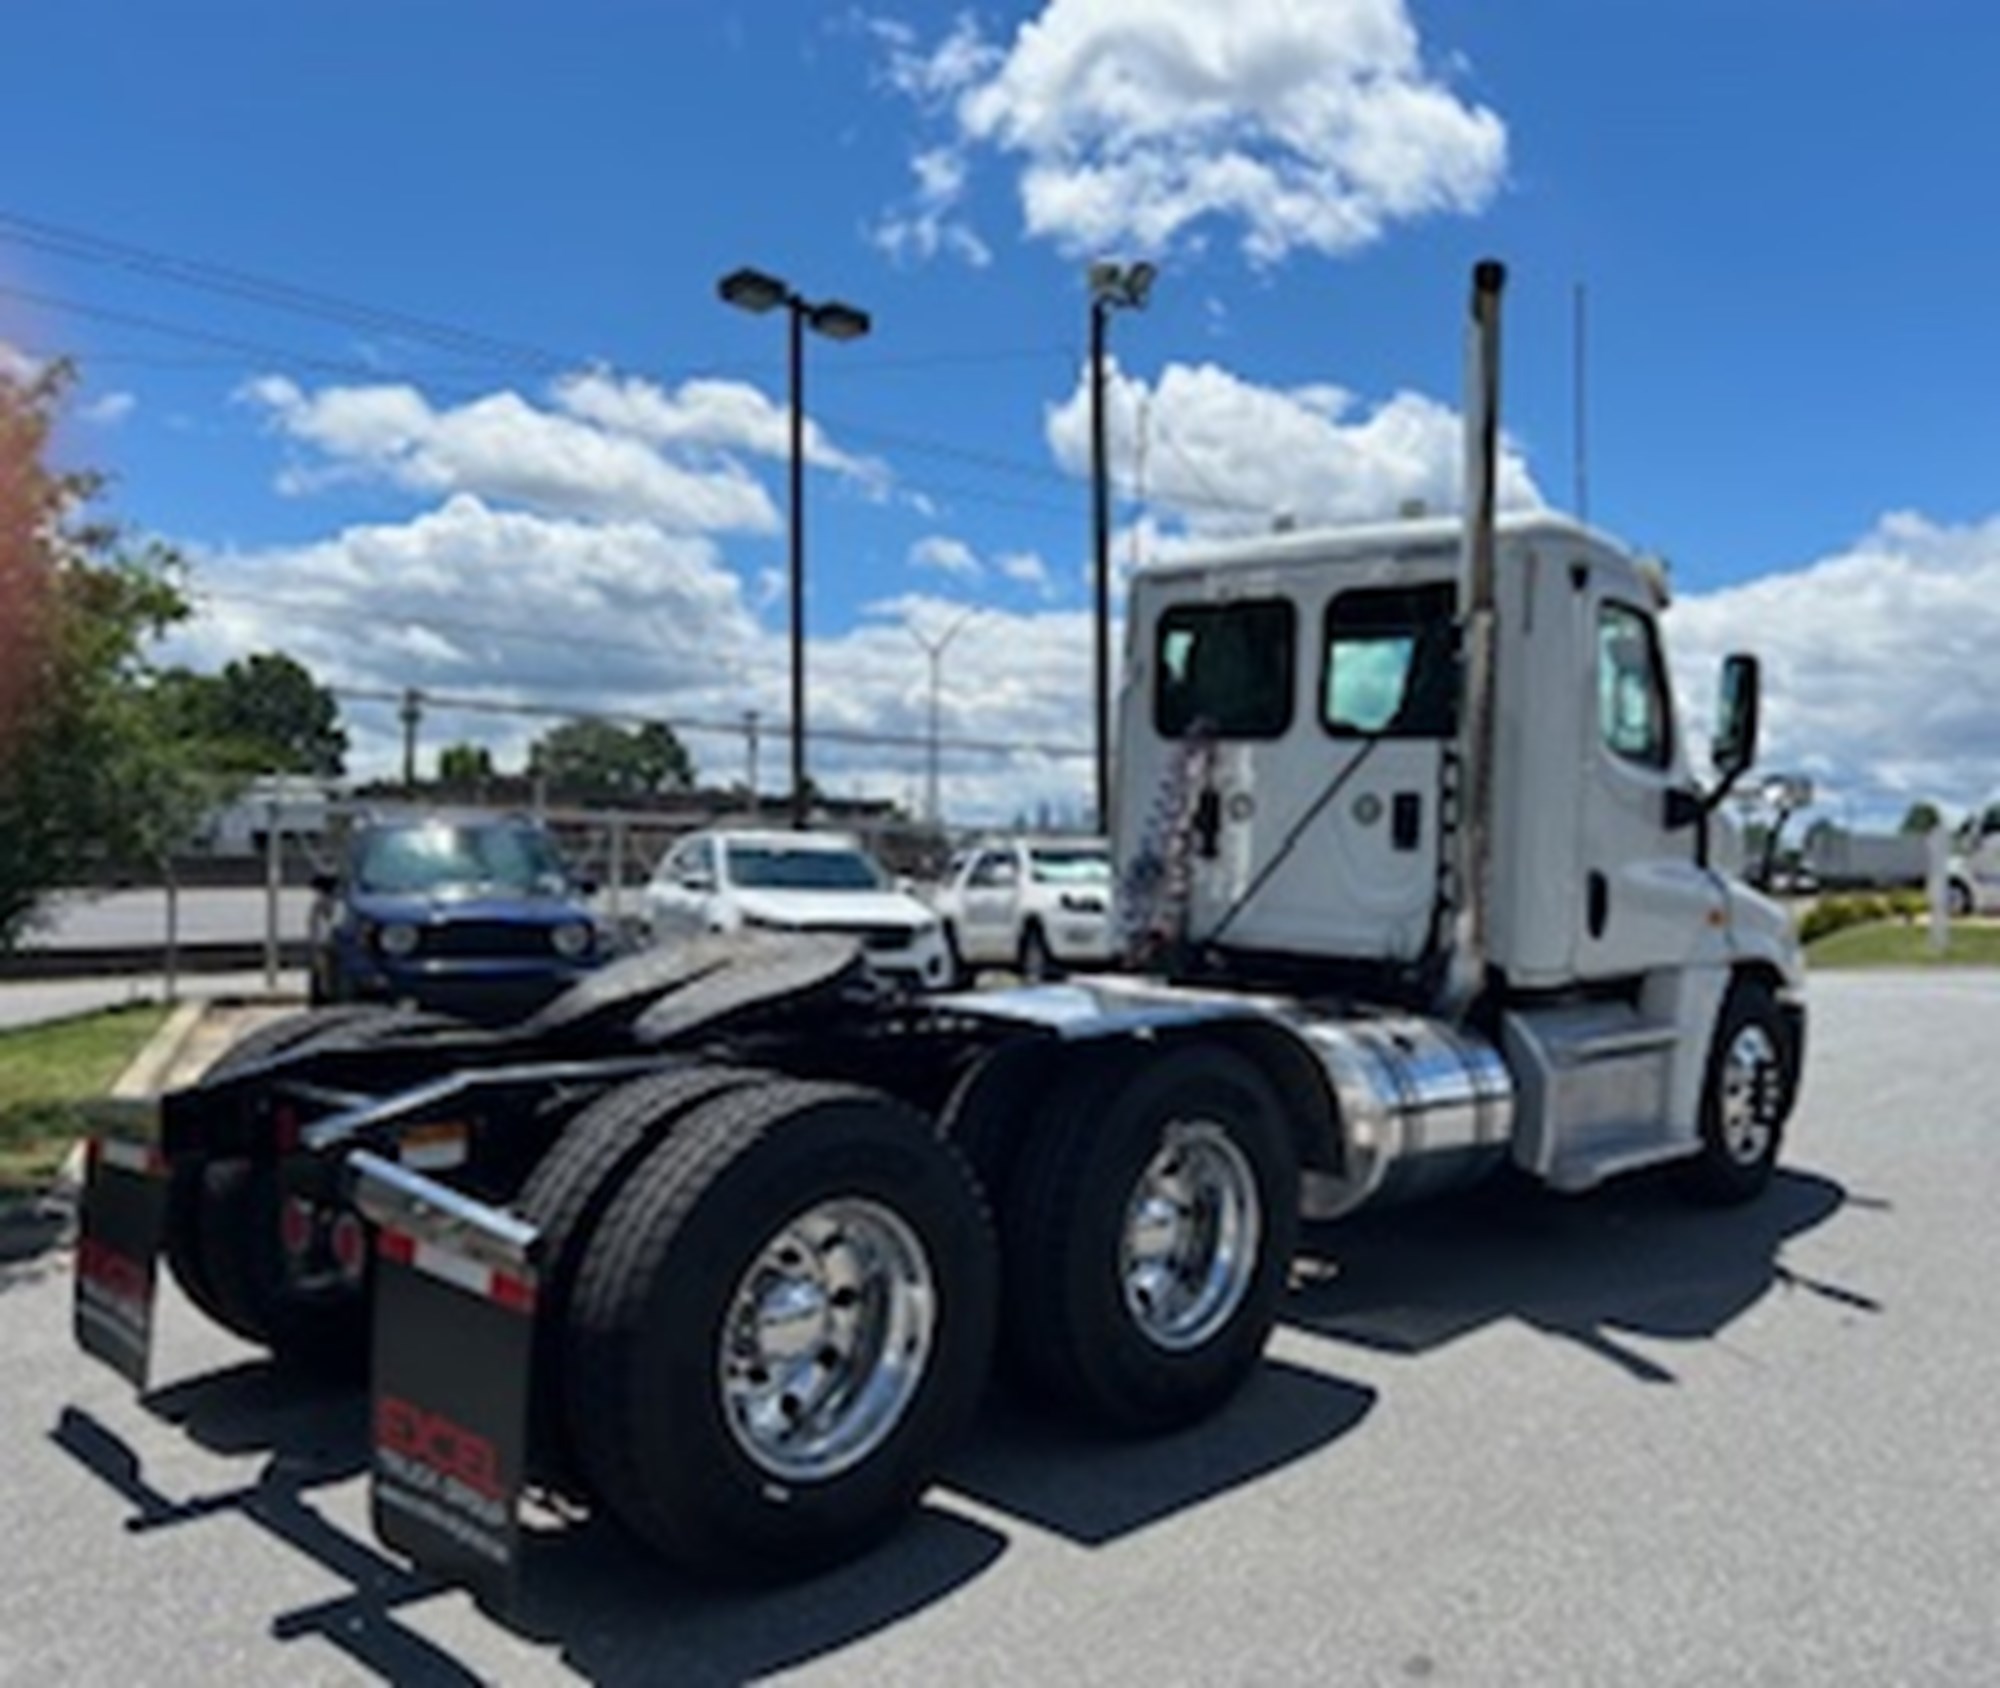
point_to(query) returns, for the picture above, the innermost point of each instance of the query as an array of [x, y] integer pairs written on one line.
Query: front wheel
[[1745, 1099], [782, 1322], [1150, 1223], [1035, 962]]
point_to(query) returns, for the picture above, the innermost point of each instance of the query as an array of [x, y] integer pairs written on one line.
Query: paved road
[[213, 915], [1520, 1441], [30, 1002]]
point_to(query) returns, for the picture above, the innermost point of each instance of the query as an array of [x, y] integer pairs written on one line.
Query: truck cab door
[[1647, 902], [1327, 814]]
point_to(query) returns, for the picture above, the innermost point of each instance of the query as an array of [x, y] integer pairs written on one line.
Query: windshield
[[774, 867], [1070, 864], [438, 855]]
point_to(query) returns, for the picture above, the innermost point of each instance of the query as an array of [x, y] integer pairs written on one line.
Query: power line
[[696, 724]]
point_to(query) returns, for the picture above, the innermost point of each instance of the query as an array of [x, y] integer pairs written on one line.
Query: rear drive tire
[[783, 1321], [1149, 1226], [566, 1196], [1958, 899], [1745, 1099], [222, 1239]]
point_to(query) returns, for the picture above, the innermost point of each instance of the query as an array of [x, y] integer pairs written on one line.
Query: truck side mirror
[[1735, 745]]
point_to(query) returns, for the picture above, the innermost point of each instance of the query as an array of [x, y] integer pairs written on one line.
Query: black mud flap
[[118, 1239], [453, 1342]]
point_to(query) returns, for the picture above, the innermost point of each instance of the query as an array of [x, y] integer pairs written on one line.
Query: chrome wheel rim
[[1750, 1074], [1192, 1229], [826, 1340]]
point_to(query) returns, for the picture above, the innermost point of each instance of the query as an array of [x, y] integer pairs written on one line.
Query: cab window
[[1391, 663], [1225, 670], [1632, 687]]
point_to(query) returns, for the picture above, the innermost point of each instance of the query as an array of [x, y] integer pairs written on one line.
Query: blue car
[[471, 916]]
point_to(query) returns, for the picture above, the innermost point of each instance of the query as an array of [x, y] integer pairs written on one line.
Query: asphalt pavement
[[1508, 1440]]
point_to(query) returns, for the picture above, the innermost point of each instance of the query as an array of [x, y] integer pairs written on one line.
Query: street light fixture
[[1113, 287], [934, 649], [757, 291]]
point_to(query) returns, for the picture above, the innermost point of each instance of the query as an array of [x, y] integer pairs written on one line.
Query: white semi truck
[[1414, 862]]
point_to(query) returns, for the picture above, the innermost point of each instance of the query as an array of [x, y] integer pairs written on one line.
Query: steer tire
[[1745, 1099], [565, 1197], [759, 1192], [1087, 1325]]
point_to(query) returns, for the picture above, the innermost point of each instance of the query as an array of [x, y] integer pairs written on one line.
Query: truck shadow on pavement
[[1634, 1260], [615, 1615]]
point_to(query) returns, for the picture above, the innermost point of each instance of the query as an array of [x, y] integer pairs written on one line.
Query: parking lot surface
[[1512, 1439]]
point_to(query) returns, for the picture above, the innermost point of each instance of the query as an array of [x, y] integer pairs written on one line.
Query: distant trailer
[[1862, 860]]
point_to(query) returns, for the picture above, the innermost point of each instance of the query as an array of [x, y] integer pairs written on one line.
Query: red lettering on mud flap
[[434, 1441], [114, 1276]]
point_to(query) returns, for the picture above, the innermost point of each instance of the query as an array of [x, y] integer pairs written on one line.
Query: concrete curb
[[144, 1075]]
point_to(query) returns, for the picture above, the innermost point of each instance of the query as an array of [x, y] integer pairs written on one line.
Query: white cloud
[[928, 225], [947, 555], [502, 448], [1877, 665], [469, 601], [109, 409], [720, 415], [1304, 124], [556, 610], [1024, 568], [1224, 456]]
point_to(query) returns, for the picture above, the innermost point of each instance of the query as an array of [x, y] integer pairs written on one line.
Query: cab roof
[[1368, 540]]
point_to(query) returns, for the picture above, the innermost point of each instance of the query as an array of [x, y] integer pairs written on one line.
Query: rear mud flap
[[453, 1344], [119, 1233]]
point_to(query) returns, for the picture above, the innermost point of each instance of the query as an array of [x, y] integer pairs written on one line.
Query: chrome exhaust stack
[[1471, 874]]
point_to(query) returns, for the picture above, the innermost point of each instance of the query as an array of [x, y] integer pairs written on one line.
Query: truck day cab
[[723, 1240]]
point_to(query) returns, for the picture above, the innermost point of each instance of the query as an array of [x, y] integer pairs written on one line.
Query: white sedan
[[1033, 904], [726, 881]]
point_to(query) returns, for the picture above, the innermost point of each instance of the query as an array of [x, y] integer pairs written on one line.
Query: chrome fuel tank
[[1424, 1107]]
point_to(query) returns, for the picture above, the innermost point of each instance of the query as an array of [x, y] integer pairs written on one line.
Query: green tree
[[90, 767], [595, 761], [464, 766], [1921, 817], [263, 714]]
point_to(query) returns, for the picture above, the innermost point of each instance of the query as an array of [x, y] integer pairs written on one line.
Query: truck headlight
[[571, 939], [397, 939], [1078, 902]]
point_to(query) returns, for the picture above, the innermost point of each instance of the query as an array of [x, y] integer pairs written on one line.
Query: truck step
[[1586, 1168]]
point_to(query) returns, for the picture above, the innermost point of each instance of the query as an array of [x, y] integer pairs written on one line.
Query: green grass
[[1893, 943], [44, 1072]]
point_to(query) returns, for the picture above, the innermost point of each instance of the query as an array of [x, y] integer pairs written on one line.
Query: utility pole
[[411, 713], [934, 649], [750, 752]]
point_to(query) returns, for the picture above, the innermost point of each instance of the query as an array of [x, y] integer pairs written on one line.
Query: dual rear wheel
[[772, 1314]]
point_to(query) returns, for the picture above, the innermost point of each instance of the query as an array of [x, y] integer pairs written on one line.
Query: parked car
[[723, 881], [1036, 905], [473, 915]]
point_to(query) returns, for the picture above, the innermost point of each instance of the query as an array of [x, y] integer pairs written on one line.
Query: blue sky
[[568, 488]]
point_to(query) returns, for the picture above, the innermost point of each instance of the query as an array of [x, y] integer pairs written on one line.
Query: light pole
[[934, 649], [754, 290], [1113, 287]]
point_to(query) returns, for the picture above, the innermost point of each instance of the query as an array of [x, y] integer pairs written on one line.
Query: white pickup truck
[[1036, 905]]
